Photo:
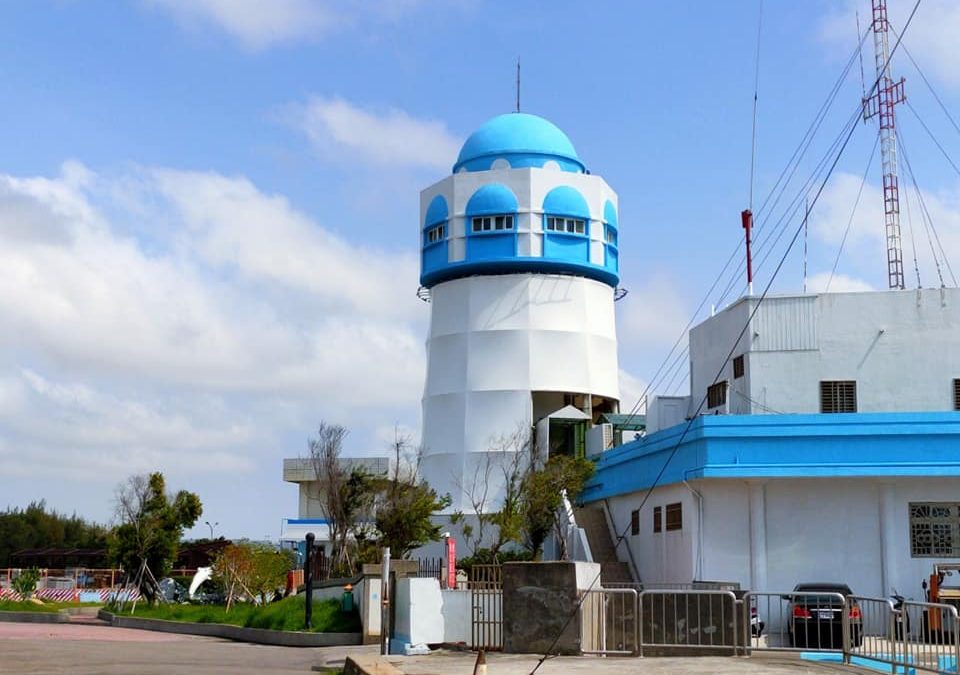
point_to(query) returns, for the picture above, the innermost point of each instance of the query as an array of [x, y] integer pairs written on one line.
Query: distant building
[[310, 516]]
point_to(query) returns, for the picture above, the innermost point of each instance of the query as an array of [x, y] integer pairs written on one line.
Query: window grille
[[738, 367], [635, 523], [657, 520], [717, 394], [568, 225], [935, 529], [838, 396], [435, 234], [492, 223], [956, 394], [674, 517]]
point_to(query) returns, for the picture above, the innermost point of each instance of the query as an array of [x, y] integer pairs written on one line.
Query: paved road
[[75, 649]]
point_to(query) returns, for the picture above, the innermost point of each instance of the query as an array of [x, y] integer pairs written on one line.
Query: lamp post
[[207, 523]]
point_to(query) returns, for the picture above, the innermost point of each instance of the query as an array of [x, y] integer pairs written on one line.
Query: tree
[[37, 527], [151, 523], [345, 496], [256, 569], [542, 498], [406, 505]]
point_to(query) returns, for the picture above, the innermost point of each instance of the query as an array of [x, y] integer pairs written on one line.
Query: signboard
[[451, 562]]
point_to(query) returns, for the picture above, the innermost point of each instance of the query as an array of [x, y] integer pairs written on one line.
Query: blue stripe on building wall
[[784, 446]]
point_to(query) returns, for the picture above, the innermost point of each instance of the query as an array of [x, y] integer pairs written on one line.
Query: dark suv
[[816, 616]]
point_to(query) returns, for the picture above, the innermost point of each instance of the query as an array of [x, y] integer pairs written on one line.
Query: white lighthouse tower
[[519, 254]]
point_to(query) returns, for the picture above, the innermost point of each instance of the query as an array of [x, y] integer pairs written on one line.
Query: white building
[[520, 264], [828, 448]]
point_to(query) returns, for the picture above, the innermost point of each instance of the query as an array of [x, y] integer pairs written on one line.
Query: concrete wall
[[900, 347], [457, 616], [538, 602], [769, 535], [663, 557], [418, 606]]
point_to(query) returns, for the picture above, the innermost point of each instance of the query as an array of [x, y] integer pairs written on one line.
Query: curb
[[261, 636], [36, 617]]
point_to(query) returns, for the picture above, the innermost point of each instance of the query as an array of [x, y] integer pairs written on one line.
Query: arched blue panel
[[610, 213], [437, 211], [492, 198], [566, 201]]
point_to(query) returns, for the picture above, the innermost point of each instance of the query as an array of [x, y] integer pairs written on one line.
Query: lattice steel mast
[[881, 104]]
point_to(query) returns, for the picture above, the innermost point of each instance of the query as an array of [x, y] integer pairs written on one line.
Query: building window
[[567, 225], [657, 520], [838, 396], [717, 394], [492, 223], [610, 236], [738, 367], [935, 529], [956, 394], [674, 517], [436, 233], [635, 523]]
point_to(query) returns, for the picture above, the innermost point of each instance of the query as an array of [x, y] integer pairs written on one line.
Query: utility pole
[[881, 104]]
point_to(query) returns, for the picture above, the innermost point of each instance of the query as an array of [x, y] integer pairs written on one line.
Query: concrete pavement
[[55, 649]]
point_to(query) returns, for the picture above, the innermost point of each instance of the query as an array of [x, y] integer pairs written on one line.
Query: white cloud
[[255, 23], [931, 37], [341, 130], [823, 282], [863, 260], [242, 319]]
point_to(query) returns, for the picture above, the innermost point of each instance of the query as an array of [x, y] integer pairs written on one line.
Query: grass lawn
[[15, 606], [287, 614]]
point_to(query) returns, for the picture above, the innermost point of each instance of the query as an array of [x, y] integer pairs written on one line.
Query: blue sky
[[208, 208]]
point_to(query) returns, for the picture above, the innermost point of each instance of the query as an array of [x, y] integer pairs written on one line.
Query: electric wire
[[932, 137], [746, 326], [913, 238], [782, 182], [926, 213], [933, 91], [853, 213], [756, 92]]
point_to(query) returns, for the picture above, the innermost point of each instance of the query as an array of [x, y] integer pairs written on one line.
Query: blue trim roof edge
[[785, 446]]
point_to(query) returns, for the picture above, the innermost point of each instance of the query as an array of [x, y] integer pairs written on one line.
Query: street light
[[207, 523]]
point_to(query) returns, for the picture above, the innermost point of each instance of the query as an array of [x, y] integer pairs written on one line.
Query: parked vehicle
[[816, 616]]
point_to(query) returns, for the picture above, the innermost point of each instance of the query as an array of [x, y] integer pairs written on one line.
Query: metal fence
[[797, 621], [689, 619], [609, 622]]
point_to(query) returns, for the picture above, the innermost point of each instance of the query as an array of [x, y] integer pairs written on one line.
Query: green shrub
[[26, 583]]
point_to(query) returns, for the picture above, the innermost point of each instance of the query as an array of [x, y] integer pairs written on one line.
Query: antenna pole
[[881, 105], [746, 218], [518, 84]]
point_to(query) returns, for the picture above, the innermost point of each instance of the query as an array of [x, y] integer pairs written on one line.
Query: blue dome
[[522, 140]]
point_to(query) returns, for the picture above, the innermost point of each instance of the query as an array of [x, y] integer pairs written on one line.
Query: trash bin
[[346, 600]]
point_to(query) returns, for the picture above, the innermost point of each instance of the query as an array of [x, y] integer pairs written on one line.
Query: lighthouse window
[[956, 394], [934, 529], [492, 223], [838, 396], [567, 225], [435, 234], [611, 236]]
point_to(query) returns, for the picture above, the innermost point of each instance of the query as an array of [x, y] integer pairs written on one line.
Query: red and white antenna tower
[[881, 104]]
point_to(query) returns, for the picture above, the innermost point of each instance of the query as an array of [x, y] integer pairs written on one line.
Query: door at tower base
[[500, 347]]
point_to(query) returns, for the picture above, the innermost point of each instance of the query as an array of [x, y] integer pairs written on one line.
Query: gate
[[609, 621], [486, 607]]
